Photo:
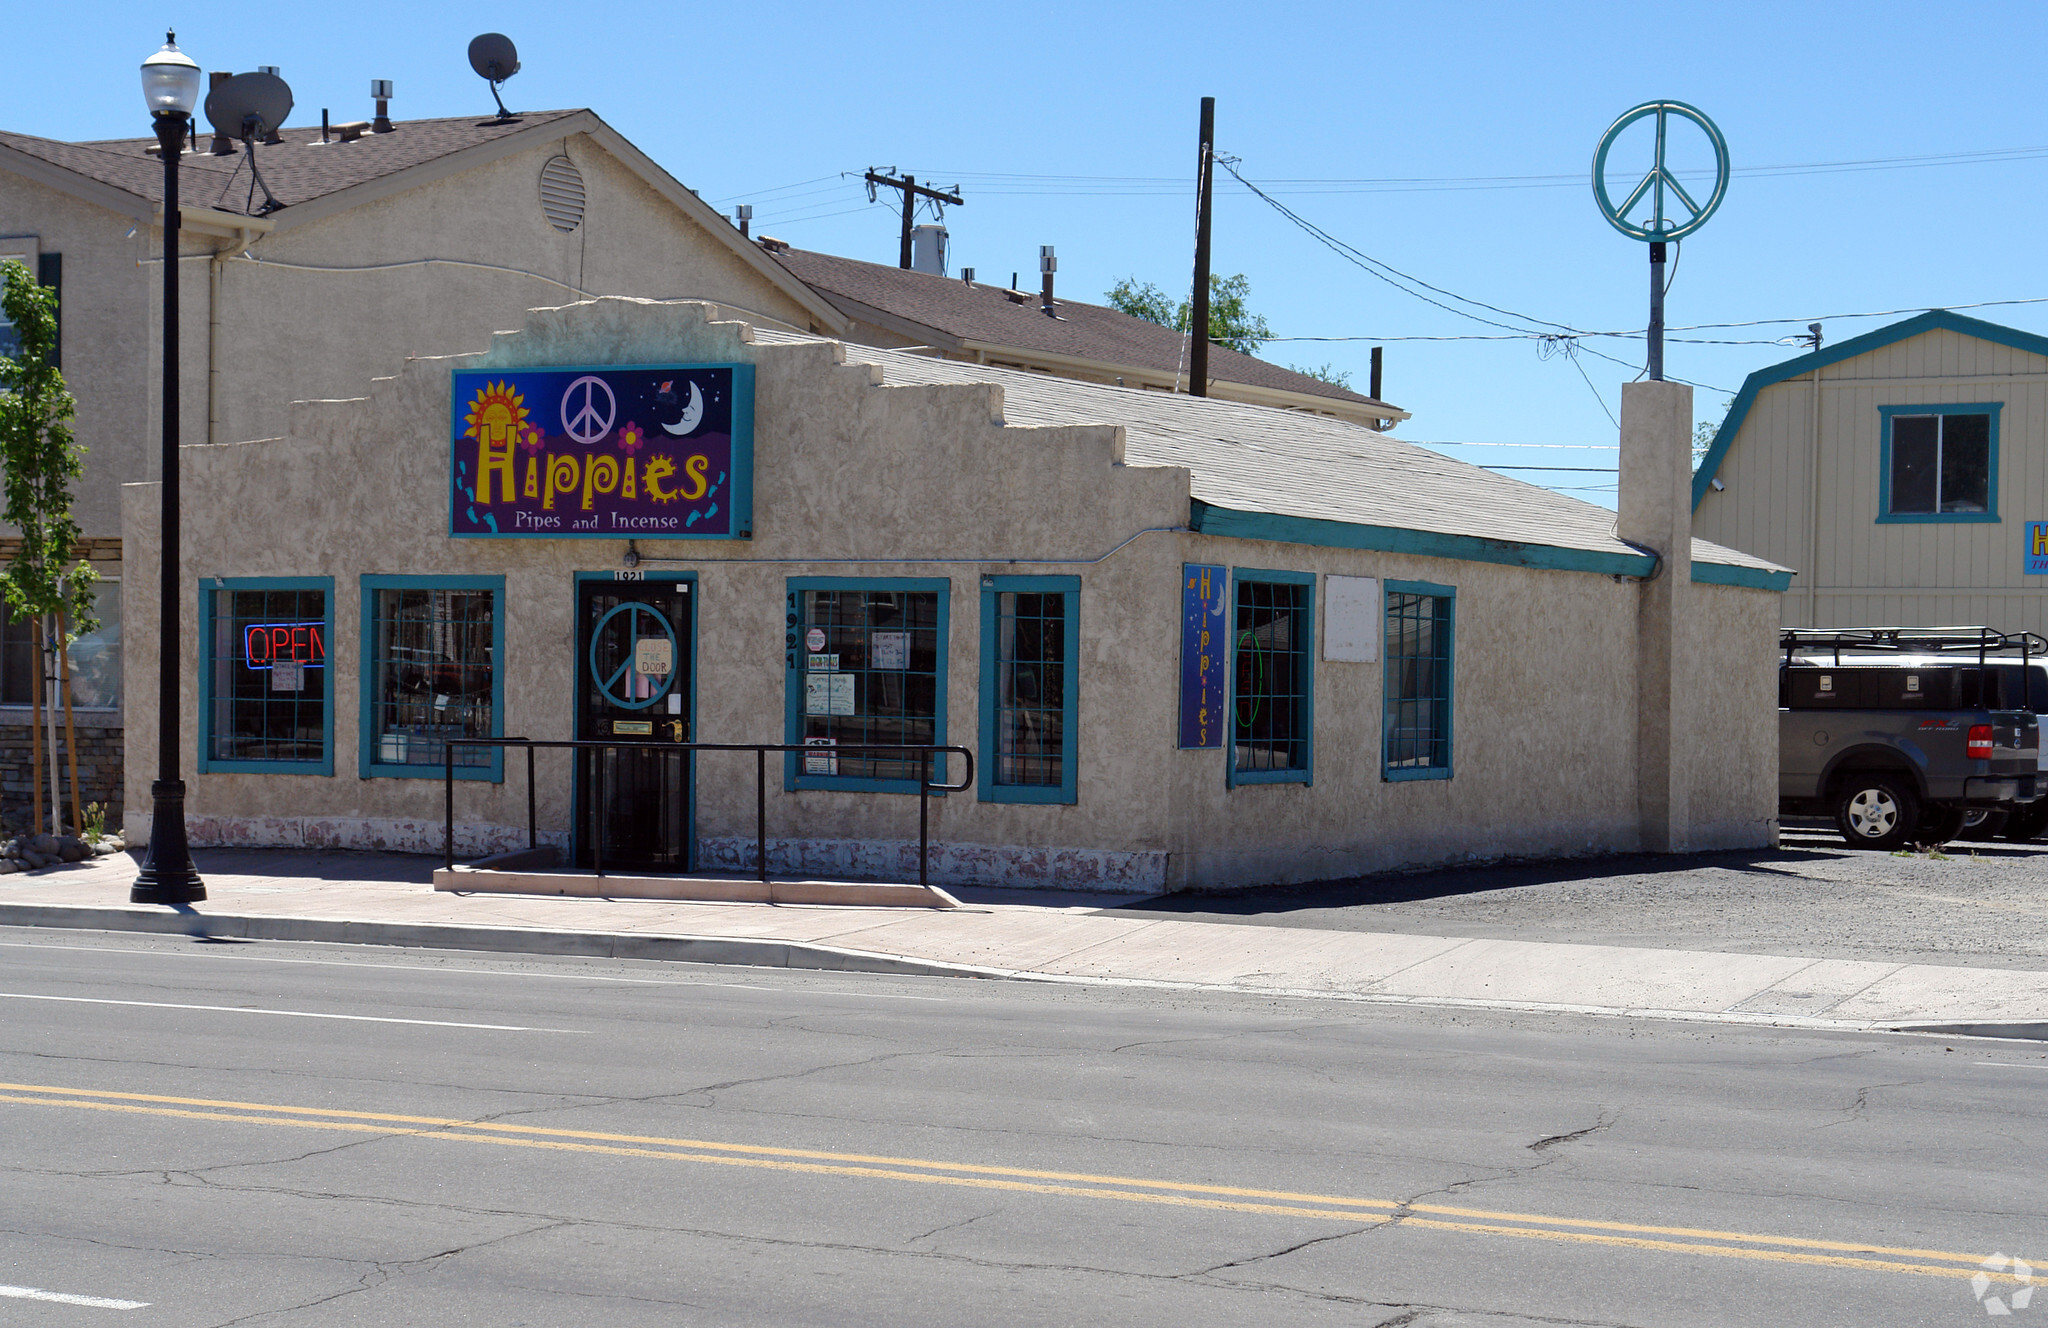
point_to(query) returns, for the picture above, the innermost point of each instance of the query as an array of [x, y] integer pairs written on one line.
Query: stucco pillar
[[1656, 514]]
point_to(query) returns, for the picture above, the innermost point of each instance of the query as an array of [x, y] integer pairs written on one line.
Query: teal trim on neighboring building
[[1305, 773], [1885, 515], [1934, 320], [208, 765], [795, 662], [367, 745], [993, 588], [1449, 594], [1749, 578], [1209, 520]]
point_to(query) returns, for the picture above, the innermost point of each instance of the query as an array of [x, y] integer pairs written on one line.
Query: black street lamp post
[[170, 84]]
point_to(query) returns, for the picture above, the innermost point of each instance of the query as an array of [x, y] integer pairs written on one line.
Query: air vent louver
[[561, 194]]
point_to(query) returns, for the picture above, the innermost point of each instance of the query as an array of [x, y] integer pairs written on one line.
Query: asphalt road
[[279, 1134], [1973, 904]]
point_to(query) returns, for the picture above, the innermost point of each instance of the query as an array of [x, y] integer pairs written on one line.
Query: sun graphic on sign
[[495, 420]]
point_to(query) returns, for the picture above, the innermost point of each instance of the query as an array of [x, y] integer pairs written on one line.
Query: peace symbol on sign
[[1660, 184], [624, 697], [582, 418]]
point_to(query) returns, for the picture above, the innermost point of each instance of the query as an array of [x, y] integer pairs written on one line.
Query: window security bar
[[925, 786]]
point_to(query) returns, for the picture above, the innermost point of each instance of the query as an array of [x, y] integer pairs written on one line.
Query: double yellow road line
[[1128, 1189]]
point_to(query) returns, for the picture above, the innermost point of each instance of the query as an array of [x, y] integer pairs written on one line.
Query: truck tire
[[2028, 822], [1938, 825], [1984, 825], [1876, 809]]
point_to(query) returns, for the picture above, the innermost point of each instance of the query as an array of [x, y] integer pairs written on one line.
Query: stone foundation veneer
[[341, 833], [1016, 866]]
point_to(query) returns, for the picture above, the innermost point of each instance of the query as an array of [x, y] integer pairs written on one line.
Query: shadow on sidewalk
[[1452, 882], [314, 864]]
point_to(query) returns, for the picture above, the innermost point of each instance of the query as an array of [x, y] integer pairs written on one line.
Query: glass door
[[634, 646]]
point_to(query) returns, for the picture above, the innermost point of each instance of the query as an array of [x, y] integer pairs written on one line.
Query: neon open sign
[[301, 643]]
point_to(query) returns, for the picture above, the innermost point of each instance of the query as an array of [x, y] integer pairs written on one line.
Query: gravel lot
[[1977, 904]]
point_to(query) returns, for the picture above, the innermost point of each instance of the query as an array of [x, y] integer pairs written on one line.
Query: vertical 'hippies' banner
[[603, 453]]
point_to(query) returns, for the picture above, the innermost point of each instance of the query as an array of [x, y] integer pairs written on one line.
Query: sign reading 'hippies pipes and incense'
[[663, 452]]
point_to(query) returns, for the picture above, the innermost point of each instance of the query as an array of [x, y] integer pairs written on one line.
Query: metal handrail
[[925, 786]]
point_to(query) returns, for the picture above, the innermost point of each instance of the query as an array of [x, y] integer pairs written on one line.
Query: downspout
[[1813, 517]]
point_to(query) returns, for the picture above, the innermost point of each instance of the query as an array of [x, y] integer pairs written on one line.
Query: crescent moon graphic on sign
[[693, 414]]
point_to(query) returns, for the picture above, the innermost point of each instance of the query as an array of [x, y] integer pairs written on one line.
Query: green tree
[[1231, 322], [1704, 431], [1325, 373], [38, 462]]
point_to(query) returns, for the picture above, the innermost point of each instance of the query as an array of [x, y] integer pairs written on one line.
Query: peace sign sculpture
[[1661, 184]]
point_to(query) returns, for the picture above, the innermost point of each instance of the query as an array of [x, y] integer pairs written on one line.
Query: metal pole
[[448, 803], [597, 810], [909, 215], [532, 812], [761, 812], [1656, 363], [1198, 320], [168, 877], [924, 805]]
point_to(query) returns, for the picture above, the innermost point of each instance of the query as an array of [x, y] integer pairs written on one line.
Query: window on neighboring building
[[1416, 725], [431, 646], [1029, 640], [49, 270], [95, 656], [867, 666], [1271, 682], [1940, 463], [267, 695]]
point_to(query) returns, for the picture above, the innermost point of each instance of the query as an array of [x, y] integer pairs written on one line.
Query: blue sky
[[1074, 125]]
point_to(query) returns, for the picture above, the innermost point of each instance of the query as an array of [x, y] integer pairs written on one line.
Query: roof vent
[[773, 245], [561, 194]]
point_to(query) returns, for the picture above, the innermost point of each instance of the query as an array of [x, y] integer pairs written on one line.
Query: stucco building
[[1188, 641], [1904, 473]]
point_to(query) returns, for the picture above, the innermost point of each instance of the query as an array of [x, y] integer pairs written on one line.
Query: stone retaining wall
[[99, 772]]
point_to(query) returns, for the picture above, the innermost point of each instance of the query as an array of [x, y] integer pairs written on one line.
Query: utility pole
[[1198, 321], [912, 191]]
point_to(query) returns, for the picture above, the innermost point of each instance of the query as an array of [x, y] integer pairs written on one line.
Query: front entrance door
[[633, 687]]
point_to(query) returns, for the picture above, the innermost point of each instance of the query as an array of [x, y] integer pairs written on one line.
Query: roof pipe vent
[[1047, 265], [380, 90]]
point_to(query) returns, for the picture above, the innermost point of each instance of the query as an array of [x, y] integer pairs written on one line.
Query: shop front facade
[[631, 523]]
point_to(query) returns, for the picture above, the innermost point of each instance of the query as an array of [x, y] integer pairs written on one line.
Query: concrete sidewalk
[[1052, 937]]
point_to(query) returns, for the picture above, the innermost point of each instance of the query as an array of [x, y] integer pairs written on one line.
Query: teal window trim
[[1887, 517], [367, 765], [1232, 776], [208, 601], [794, 666], [1449, 594], [993, 588]]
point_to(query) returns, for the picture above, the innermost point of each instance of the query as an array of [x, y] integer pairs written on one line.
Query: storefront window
[[1272, 679], [1417, 723], [268, 690], [1029, 643], [95, 656], [867, 667], [432, 646]]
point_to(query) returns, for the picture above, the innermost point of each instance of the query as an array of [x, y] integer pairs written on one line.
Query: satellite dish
[[249, 105], [495, 59]]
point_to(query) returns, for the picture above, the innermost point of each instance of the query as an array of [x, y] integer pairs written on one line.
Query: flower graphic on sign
[[495, 419], [631, 439], [533, 440]]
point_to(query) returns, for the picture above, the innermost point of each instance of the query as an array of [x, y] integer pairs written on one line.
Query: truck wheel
[[1877, 810], [1984, 825], [2028, 822], [1938, 825]]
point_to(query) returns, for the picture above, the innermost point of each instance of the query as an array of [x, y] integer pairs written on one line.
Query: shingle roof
[[300, 169], [1265, 459], [983, 313]]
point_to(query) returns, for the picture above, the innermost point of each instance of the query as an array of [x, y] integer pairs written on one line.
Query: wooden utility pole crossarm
[[912, 191]]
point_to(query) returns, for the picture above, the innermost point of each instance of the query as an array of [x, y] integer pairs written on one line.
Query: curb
[[741, 951]]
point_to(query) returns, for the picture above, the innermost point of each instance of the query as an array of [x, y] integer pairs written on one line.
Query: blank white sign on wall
[[1351, 619]]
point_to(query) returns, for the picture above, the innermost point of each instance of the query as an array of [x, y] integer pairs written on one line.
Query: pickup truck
[[1901, 737]]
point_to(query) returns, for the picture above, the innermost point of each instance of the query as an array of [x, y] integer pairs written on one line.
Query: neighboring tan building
[[1904, 473], [1189, 642], [982, 323]]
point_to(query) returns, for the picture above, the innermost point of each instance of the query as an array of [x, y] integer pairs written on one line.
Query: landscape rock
[[72, 849], [8, 865], [45, 844]]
